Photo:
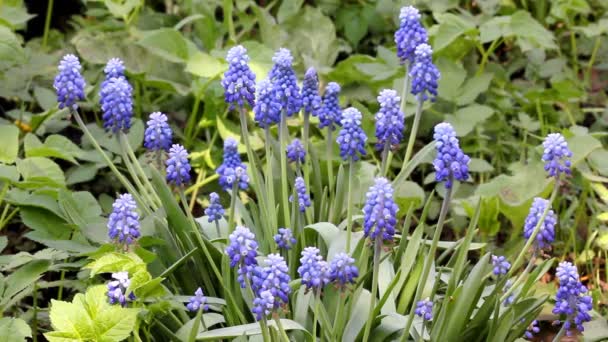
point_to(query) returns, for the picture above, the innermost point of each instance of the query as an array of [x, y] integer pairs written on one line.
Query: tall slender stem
[[270, 180], [337, 328], [264, 328], [316, 314], [231, 218], [560, 334], [281, 329], [385, 158], [375, 273], [47, 23], [349, 206], [330, 168], [35, 312], [406, 87], [305, 140], [413, 133], [284, 186], [258, 186], [445, 205], [138, 168]]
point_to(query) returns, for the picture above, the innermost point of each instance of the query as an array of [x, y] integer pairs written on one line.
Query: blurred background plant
[[511, 72]]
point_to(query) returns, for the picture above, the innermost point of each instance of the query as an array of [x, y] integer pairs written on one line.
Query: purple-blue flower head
[[114, 68], [351, 138], [123, 223], [501, 265], [425, 75], [242, 251], [303, 198], [532, 329], [424, 309], [239, 80], [263, 304], [546, 234], [117, 289], [284, 238], [556, 155], [509, 300], [267, 109], [410, 34], [450, 162], [380, 211], [158, 134], [178, 166], [389, 120], [285, 83], [215, 211], [273, 290], [116, 100], [69, 83], [296, 152], [314, 271], [571, 299], [330, 113], [342, 270], [197, 301], [311, 101], [232, 169]]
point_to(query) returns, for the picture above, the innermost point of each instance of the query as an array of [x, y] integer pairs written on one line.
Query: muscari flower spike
[[197, 301], [390, 120], [215, 211], [284, 238], [232, 169], [285, 83], [342, 270], [114, 68], [410, 34], [532, 329], [116, 100], [500, 264], [571, 299], [117, 289], [296, 152], [69, 83], [311, 101], [424, 309], [158, 134], [450, 162], [239, 80], [272, 289], [303, 198], [123, 223], [330, 113], [509, 300], [242, 251], [556, 155], [546, 235], [351, 138], [314, 271], [425, 75], [380, 211], [178, 166], [267, 109]]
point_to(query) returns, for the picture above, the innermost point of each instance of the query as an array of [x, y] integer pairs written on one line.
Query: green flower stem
[[596, 48], [47, 28], [330, 169], [413, 133], [231, 218], [445, 206], [305, 134], [217, 229], [138, 168], [110, 164], [519, 279], [375, 274], [35, 312], [158, 154], [258, 186], [349, 206], [197, 322], [338, 321], [406, 87], [270, 181], [142, 189], [284, 336], [315, 315], [560, 334], [421, 336], [264, 328], [284, 186], [385, 158]]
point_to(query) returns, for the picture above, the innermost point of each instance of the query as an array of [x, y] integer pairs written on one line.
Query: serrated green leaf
[[115, 262], [166, 43]]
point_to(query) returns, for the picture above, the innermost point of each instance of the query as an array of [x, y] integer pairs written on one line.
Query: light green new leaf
[[115, 262], [204, 65], [14, 330], [9, 139], [166, 43], [39, 171]]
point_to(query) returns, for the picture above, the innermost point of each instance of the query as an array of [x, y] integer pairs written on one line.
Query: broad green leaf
[[452, 78], [465, 119], [79, 207], [81, 173], [211, 319], [9, 135], [40, 171], [37, 199], [115, 262], [525, 27], [473, 87], [204, 65], [9, 173], [122, 8], [581, 146], [450, 27], [22, 279], [47, 99], [598, 159], [248, 330], [408, 193], [166, 43], [10, 51], [358, 316], [496, 27], [327, 231], [288, 9], [55, 146], [14, 330], [480, 165], [45, 223], [23, 258]]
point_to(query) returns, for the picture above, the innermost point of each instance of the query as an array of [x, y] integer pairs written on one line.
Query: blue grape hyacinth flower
[[450, 162], [215, 211], [117, 289], [285, 238], [272, 289], [197, 301], [158, 135], [303, 198], [390, 120], [351, 138], [296, 152], [263, 305], [571, 299], [116, 100], [556, 155], [115, 67], [239, 80], [380, 211], [342, 270], [424, 309], [330, 113], [311, 101], [267, 110], [123, 223], [242, 251], [500, 264], [532, 329], [425, 75], [232, 169], [546, 234], [314, 271], [69, 83], [285, 83], [178, 166], [410, 34]]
